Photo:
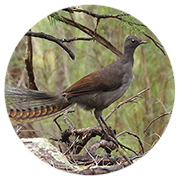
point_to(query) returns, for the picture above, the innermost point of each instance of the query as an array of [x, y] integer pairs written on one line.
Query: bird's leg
[[113, 138], [110, 137], [101, 125], [108, 128], [112, 134]]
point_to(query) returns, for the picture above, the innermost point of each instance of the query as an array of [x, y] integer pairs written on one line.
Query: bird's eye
[[133, 40]]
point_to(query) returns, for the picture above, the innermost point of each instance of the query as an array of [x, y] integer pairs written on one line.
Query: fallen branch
[[40, 154], [89, 156], [83, 135]]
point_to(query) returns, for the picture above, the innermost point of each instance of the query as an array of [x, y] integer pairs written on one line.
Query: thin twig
[[135, 135], [123, 155], [91, 156], [95, 30], [162, 115], [99, 16], [63, 114], [51, 38], [55, 120], [68, 122], [71, 16], [119, 17], [71, 145], [126, 101], [88, 31], [67, 40], [156, 43]]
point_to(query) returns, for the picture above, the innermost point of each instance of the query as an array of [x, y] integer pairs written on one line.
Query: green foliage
[[55, 71]]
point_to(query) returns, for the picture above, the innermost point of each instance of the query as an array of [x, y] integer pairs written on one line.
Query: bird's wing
[[102, 80]]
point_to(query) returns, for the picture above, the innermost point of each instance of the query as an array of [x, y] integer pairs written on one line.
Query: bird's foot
[[109, 135]]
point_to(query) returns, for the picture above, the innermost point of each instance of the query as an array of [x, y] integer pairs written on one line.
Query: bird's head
[[132, 42]]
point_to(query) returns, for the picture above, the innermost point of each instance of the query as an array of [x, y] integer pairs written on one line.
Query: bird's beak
[[142, 42]]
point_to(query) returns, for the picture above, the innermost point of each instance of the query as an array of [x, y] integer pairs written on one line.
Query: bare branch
[[88, 31], [29, 64], [156, 43], [94, 33], [126, 101], [71, 10], [76, 39], [120, 17], [98, 16], [160, 116], [135, 135], [71, 16], [51, 38]]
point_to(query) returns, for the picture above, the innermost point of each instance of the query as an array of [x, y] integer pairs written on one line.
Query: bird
[[96, 91]]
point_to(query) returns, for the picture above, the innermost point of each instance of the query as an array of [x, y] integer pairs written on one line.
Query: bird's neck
[[128, 56]]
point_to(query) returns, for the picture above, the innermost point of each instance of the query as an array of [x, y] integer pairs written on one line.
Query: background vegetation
[[54, 71]]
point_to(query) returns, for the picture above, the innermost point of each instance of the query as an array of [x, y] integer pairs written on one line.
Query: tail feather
[[30, 105]]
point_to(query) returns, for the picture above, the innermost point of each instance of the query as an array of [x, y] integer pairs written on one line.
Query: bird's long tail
[[29, 105]]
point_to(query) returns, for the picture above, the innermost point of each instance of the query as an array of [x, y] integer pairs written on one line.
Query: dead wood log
[[35, 151], [90, 157], [38, 152]]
